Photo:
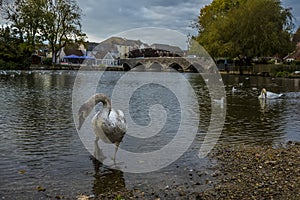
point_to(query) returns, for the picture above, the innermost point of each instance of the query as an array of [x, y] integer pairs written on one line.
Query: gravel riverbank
[[240, 173], [257, 173]]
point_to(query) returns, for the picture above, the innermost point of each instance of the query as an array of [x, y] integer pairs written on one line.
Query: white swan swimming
[[264, 94], [108, 124], [220, 102], [233, 89]]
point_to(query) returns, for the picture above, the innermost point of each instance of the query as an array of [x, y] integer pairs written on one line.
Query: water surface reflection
[[39, 145]]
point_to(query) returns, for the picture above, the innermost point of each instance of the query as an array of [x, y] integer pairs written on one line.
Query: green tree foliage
[[25, 17], [62, 25], [245, 28], [57, 22], [296, 37], [12, 50]]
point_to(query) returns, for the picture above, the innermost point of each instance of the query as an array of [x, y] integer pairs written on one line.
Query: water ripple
[[39, 145]]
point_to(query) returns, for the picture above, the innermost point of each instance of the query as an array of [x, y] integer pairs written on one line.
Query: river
[[42, 155]]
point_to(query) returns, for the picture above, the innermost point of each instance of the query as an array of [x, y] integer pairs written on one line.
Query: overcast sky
[[104, 18]]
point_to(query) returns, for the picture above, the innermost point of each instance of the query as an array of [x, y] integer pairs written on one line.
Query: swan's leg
[[116, 149], [97, 139], [96, 149]]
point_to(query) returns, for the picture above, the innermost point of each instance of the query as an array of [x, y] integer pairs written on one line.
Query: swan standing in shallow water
[[264, 94], [109, 125]]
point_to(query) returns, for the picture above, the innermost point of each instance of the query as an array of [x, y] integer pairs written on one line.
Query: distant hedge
[[13, 65]]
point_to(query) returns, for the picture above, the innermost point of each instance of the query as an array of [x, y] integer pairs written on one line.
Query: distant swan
[[108, 124], [219, 102], [264, 94], [233, 89]]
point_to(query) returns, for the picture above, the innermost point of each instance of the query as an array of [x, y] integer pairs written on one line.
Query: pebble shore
[[263, 172]]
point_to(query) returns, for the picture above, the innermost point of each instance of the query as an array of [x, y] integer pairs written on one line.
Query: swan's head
[[83, 113], [263, 93]]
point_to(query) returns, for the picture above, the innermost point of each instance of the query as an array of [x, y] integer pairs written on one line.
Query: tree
[[25, 17], [296, 37], [12, 49], [245, 28], [57, 22], [8, 46], [62, 25]]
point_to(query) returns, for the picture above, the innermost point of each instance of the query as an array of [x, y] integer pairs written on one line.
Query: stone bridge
[[181, 64]]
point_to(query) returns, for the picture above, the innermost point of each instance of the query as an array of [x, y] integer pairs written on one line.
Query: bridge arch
[[126, 67], [176, 66], [191, 69], [156, 67], [139, 67], [196, 67]]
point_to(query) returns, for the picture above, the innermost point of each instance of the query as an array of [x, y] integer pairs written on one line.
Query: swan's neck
[[88, 106]]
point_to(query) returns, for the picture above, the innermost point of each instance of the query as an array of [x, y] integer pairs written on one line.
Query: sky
[[105, 18], [102, 18]]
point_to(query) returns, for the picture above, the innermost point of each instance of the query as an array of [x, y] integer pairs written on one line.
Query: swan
[[219, 102], [233, 89], [264, 94], [109, 125]]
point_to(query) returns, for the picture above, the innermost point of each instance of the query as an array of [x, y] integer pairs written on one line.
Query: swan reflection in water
[[108, 124], [106, 180], [267, 99]]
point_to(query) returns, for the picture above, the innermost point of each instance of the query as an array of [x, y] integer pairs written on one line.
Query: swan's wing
[[261, 96], [100, 127], [121, 121], [113, 126], [272, 95]]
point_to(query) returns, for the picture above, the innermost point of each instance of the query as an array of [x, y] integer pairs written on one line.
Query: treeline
[[14, 53], [246, 29], [33, 23]]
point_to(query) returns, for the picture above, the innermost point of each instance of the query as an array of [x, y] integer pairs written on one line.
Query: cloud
[[154, 35], [104, 18], [295, 6]]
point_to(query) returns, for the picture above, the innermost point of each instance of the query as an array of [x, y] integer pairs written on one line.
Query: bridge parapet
[[200, 64]]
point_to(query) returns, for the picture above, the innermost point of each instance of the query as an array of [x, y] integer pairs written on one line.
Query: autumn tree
[[245, 28], [56, 22], [13, 51], [25, 17], [296, 37], [62, 25]]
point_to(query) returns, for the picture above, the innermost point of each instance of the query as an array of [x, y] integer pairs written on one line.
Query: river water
[[40, 148]]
